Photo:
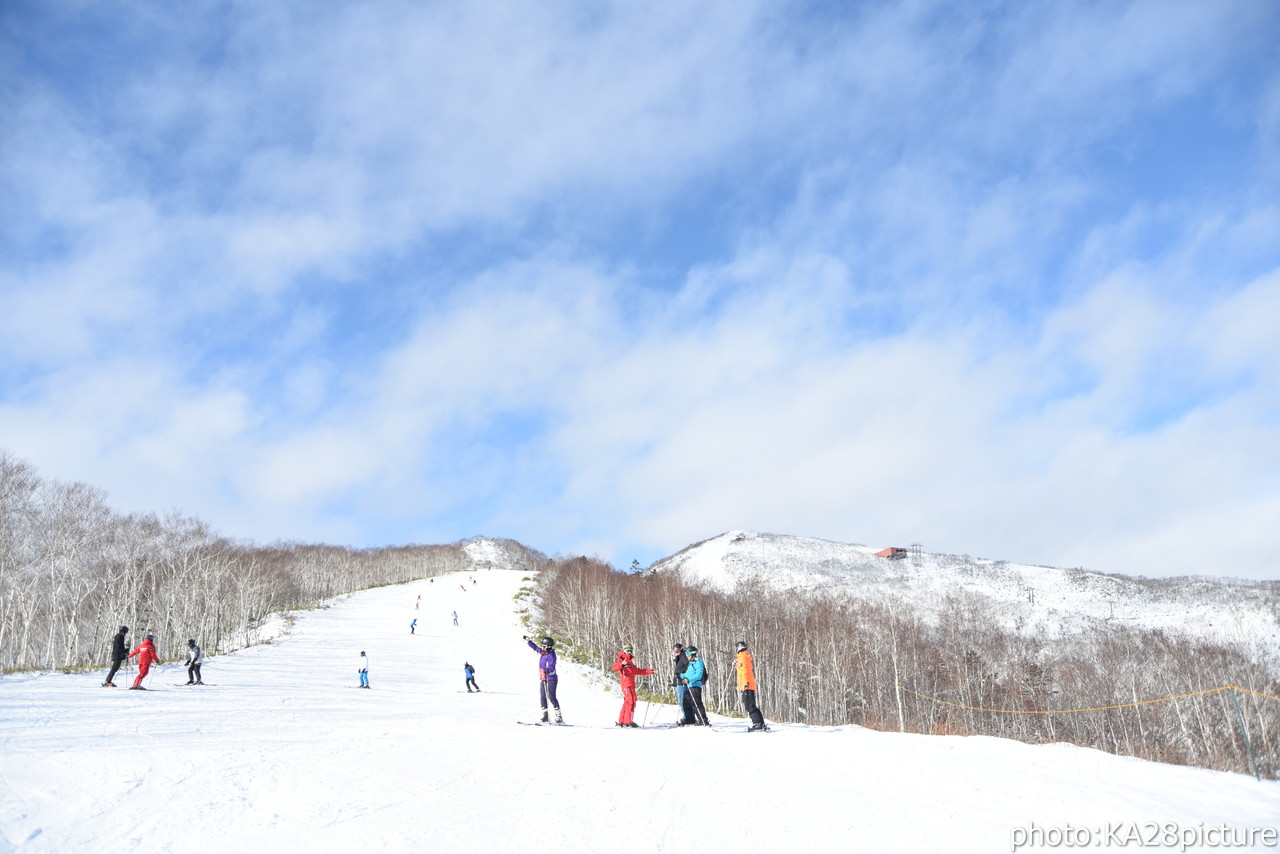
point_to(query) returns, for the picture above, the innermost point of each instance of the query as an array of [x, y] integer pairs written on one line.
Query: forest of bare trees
[[840, 662], [72, 570]]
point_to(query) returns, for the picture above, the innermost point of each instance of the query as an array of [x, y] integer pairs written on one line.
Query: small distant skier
[[471, 677], [418, 604], [680, 662], [696, 676], [119, 651], [463, 586], [625, 665], [747, 685], [364, 670], [547, 676], [455, 618], [146, 653], [193, 662], [413, 626]]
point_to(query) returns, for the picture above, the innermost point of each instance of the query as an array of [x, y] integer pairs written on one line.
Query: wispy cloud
[[618, 278]]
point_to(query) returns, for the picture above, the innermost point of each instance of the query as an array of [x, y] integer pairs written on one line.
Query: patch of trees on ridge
[[72, 570]]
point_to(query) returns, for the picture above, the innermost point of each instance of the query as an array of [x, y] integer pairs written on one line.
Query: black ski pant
[[749, 704], [115, 666], [547, 691], [471, 683], [193, 673], [688, 714], [695, 692]]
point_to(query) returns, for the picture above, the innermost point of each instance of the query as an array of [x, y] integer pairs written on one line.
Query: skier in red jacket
[[146, 653], [627, 673]]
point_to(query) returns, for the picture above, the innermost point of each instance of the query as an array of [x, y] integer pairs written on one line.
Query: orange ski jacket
[[746, 672]]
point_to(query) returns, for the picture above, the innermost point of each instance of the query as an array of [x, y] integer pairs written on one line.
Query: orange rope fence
[[1094, 708]]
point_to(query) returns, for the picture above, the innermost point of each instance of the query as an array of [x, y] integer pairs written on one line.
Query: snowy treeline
[[827, 661], [72, 570]]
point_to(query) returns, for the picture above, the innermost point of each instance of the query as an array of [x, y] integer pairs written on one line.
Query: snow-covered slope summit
[[1040, 599]]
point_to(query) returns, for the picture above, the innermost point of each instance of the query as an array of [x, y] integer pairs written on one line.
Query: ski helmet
[[191, 641], [548, 642], [692, 650], [742, 645], [124, 630], [362, 652], [628, 648], [677, 646], [150, 636]]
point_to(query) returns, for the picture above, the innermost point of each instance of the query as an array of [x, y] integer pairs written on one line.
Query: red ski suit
[[148, 654], [627, 673]]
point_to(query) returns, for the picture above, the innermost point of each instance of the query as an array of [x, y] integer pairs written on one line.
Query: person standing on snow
[[627, 673], [455, 618], [695, 676], [146, 653], [681, 662], [747, 686], [413, 625], [193, 663], [547, 676], [418, 604], [119, 651], [471, 677], [364, 670]]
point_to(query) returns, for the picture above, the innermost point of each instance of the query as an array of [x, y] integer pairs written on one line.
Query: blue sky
[[612, 278]]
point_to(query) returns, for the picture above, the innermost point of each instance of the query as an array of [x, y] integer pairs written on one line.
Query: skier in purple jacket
[[547, 675]]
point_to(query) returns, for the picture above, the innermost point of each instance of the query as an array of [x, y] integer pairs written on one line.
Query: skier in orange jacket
[[627, 673], [146, 653], [747, 685]]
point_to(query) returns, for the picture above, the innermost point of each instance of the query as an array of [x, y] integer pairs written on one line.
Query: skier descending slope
[[364, 670], [146, 653], [193, 663], [547, 676], [627, 673], [471, 677]]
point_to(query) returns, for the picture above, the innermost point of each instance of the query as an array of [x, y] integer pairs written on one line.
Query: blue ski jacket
[[696, 672]]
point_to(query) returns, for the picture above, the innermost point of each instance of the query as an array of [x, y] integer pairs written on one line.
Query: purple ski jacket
[[546, 664]]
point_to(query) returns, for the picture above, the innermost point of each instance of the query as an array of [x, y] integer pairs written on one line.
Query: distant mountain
[[493, 553], [1030, 599]]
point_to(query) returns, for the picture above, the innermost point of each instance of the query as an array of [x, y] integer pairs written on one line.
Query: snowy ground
[[281, 753]]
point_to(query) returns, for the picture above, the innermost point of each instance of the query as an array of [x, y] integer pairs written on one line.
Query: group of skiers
[[146, 653], [688, 677], [689, 674]]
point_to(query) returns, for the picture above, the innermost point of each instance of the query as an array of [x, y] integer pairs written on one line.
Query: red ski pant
[[143, 669], [628, 705]]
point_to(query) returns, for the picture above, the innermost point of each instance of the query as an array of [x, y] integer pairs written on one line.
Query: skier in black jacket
[[193, 662], [119, 649]]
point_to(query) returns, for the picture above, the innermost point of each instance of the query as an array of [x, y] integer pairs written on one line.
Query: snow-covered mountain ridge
[[1032, 599]]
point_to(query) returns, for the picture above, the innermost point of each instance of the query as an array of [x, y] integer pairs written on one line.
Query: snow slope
[[283, 754], [1040, 599]]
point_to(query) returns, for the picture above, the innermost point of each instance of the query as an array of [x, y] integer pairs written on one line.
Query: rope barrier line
[[1093, 709]]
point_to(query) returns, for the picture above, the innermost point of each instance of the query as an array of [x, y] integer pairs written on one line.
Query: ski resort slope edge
[[283, 753]]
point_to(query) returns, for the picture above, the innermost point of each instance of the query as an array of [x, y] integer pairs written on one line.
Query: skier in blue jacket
[[695, 675], [471, 677]]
